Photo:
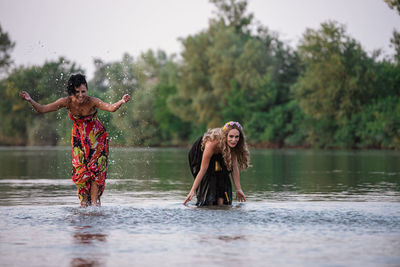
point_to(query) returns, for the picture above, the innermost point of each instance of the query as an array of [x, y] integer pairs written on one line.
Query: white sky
[[82, 30]]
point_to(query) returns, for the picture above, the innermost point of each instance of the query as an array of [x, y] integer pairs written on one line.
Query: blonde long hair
[[241, 150]]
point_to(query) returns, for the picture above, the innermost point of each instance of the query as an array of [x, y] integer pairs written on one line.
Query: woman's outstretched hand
[[188, 197], [240, 196], [25, 96], [126, 98]]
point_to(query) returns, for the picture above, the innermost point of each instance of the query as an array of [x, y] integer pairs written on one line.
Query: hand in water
[[240, 196], [188, 197], [25, 96]]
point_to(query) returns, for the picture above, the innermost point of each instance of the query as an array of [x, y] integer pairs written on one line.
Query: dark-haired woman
[[89, 137], [212, 158]]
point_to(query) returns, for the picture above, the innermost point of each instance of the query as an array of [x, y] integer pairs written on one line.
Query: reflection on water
[[81, 237], [167, 233], [89, 237], [231, 238], [80, 262], [304, 208]]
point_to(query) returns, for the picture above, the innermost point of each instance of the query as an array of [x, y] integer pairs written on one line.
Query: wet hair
[[241, 150], [75, 81]]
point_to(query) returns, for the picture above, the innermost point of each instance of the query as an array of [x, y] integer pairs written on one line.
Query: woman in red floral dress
[[89, 137]]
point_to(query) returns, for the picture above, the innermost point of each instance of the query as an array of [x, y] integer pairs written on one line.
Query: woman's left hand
[[240, 196], [126, 98]]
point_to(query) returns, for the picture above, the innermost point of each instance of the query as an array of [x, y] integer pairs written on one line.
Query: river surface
[[304, 208]]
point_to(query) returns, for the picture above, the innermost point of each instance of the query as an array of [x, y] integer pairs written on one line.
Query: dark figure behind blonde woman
[[89, 137], [216, 155]]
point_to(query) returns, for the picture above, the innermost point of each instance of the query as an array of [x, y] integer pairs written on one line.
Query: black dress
[[216, 183]]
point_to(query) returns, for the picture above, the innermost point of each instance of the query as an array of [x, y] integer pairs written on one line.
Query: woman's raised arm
[[54, 106], [111, 107]]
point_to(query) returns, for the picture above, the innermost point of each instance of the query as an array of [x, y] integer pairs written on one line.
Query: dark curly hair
[[75, 81]]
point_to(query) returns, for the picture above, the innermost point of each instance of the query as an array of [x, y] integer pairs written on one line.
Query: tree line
[[328, 92]]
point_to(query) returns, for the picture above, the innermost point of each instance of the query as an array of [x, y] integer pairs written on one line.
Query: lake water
[[304, 208]]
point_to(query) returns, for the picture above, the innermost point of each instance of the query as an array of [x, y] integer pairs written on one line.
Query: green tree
[[395, 40], [393, 4], [338, 77], [339, 80], [99, 82], [380, 123], [208, 67], [23, 126], [6, 46], [150, 79], [233, 14], [230, 73], [171, 128]]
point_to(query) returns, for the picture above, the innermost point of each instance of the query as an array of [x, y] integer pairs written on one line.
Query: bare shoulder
[[95, 101], [63, 101], [211, 145], [92, 99]]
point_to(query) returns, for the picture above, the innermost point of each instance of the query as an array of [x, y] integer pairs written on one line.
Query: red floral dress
[[89, 154]]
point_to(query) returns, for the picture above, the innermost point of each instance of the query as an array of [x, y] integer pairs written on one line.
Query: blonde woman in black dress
[[212, 158]]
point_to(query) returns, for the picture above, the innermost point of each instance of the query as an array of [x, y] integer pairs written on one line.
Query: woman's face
[[80, 93], [233, 138]]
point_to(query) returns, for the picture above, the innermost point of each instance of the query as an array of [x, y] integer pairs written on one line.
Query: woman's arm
[[60, 103], [111, 107], [240, 196], [205, 161]]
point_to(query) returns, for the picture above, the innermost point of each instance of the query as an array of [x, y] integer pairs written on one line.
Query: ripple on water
[[348, 215], [152, 230]]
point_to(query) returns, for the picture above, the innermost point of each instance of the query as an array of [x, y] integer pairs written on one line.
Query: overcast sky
[[82, 30]]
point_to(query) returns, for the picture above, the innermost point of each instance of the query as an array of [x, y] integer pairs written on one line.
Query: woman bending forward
[[212, 158]]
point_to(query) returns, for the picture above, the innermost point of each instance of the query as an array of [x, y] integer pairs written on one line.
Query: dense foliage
[[327, 92]]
